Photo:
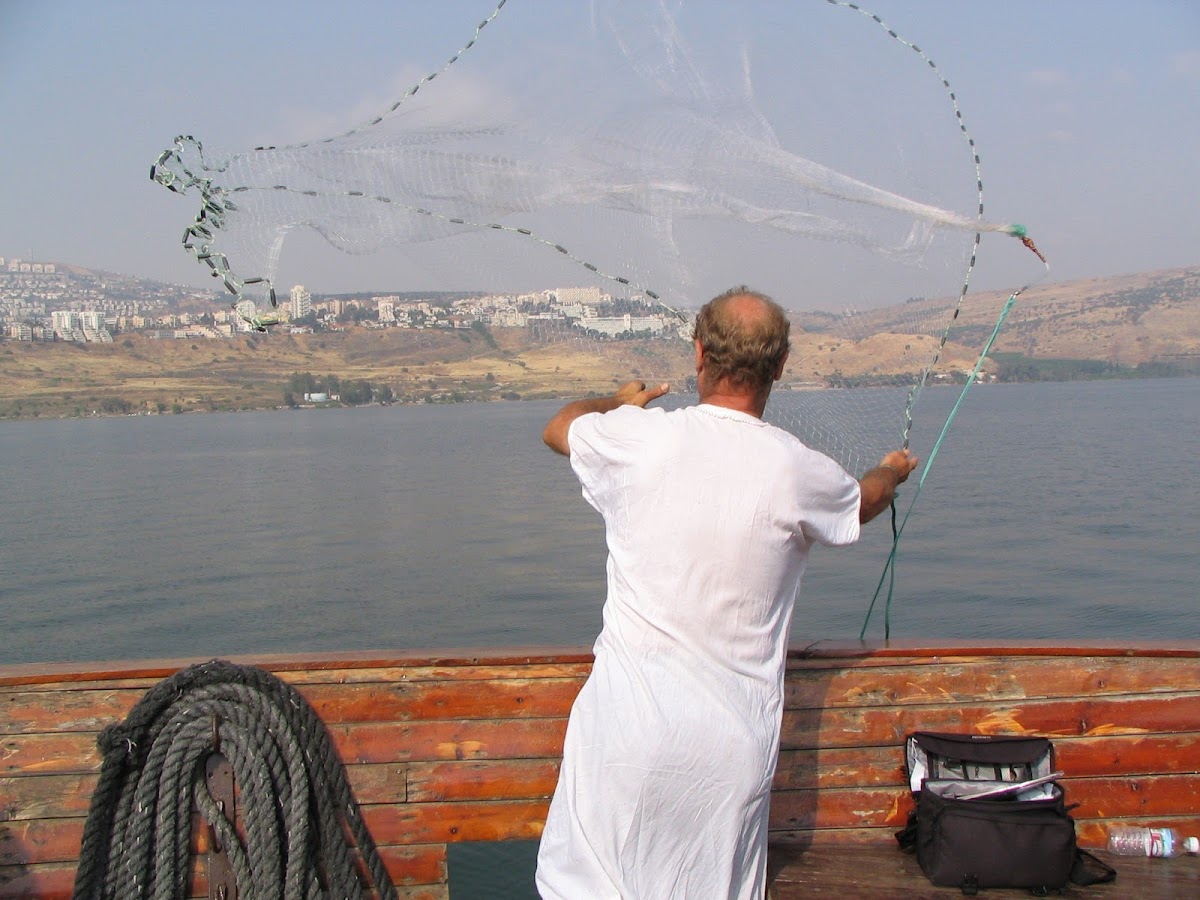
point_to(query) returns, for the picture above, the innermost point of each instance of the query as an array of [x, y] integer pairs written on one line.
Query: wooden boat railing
[[445, 747]]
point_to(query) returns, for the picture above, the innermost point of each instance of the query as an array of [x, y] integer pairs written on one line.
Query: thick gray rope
[[303, 828]]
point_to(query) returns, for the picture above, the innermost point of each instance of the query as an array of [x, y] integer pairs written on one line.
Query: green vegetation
[[1015, 367], [838, 380], [487, 335], [351, 392]]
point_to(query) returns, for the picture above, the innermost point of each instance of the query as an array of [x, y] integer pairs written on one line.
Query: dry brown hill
[[1127, 320]]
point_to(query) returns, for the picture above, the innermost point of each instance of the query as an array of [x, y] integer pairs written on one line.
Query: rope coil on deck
[[304, 834]]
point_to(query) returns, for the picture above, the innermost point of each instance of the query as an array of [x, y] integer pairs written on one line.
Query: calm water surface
[[1054, 510]]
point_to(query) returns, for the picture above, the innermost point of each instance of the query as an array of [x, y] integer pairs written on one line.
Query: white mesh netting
[[599, 171]]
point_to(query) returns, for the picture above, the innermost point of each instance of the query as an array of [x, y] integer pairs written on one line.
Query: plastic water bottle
[[1131, 840]]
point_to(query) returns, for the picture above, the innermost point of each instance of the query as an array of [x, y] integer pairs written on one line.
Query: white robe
[[672, 743]]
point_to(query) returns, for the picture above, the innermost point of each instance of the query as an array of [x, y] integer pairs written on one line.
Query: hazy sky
[[1086, 113]]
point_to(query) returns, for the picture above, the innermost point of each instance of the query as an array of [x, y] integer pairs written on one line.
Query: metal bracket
[[218, 772]]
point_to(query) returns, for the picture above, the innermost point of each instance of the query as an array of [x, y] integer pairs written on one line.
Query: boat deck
[[880, 871]]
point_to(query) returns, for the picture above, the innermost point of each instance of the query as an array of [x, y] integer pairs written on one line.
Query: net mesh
[[590, 175]]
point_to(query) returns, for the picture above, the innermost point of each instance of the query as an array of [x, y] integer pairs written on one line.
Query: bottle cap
[[1191, 845]]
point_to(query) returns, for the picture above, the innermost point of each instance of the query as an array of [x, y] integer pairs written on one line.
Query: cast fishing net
[[589, 174]]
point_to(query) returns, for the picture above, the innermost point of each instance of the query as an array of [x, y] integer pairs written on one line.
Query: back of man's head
[[744, 337]]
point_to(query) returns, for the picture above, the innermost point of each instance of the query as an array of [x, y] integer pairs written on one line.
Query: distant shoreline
[[1130, 326], [36, 412]]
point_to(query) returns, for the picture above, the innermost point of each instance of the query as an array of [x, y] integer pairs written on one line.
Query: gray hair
[[748, 351]]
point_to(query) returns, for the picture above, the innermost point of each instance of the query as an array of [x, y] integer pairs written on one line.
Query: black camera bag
[[989, 814]]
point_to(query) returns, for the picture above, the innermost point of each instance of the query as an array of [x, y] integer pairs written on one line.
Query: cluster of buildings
[[585, 308], [49, 302], [42, 301]]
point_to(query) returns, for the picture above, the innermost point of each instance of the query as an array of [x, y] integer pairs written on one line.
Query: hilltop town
[[49, 302]]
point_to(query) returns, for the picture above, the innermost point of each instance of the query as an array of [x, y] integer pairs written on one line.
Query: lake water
[[1053, 511]]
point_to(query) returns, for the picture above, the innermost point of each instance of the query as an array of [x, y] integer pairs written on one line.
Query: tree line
[[356, 392]]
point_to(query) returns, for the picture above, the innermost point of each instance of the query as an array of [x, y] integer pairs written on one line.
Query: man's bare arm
[[631, 393], [877, 487]]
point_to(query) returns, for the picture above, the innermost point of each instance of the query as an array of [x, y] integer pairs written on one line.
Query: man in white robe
[[709, 515]]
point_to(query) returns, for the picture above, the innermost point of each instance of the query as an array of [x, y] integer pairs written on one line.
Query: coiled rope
[[303, 829]]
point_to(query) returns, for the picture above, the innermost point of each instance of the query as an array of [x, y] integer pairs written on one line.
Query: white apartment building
[[301, 301], [614, 325], [64, 320], [578, 296]]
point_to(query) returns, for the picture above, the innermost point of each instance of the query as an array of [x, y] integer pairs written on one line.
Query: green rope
[[889, 568]]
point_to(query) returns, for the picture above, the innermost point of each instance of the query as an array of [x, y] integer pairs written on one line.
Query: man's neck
[[742, 401]]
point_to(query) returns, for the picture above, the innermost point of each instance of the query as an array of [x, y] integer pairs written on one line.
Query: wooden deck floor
[[882, 872]]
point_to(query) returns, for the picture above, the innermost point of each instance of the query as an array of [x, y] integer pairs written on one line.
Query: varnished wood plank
[[298, 678], [839, 767], [365, 743], [998, 679], [37, 754], [483, 739], [379, 782], [842, 808], [46, 881], [429, 782], [46, 796], [485, 671], [482, 779], [409, 701], [425, 823], [836, 837], [39, 841], [414, 864], [67, 796], [1129, 754], [1146, 796], [93, 709], [45, 711], [24, 842], [882, 726]]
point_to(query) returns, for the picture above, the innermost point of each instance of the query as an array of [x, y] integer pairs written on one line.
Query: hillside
[[1127, 321]]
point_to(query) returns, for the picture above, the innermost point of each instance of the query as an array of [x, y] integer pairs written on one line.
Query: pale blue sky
[[1086, 113]]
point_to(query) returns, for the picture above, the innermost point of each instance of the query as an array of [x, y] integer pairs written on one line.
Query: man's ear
[[782, 364], [699, 355]]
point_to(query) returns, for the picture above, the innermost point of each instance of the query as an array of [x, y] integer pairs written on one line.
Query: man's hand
[[635, 393], [631, 393], [902, 462], [877, 488]]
